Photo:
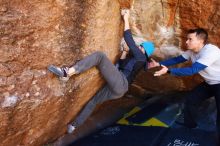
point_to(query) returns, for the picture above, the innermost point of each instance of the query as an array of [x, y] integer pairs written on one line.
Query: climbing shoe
[[61, 72]]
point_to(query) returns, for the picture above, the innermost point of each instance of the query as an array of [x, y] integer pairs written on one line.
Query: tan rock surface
[[34, 105]]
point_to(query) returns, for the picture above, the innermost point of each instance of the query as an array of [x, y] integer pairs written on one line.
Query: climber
[[205, 60], [117, 79]]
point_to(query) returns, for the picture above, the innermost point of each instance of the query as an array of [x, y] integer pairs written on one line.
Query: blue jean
[[196, 96]]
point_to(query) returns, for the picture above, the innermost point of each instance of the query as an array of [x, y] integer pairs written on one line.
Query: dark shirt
[[136, 60]]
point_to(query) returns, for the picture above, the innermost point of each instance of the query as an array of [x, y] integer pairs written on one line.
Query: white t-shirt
[[209, 55]]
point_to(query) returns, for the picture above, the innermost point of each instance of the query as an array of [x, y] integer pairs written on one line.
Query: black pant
[[196, 96]]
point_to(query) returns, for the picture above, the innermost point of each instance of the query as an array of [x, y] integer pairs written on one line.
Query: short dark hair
[[201, 33]]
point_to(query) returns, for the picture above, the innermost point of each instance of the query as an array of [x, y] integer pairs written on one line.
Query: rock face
[[165, 23], [34, 105]]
